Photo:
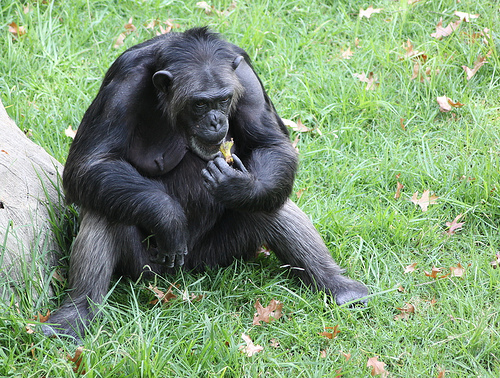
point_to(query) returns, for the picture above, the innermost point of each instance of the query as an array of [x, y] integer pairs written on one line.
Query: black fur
[[144, 162]]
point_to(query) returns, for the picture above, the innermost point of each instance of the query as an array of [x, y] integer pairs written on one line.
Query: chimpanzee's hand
[[232, 186], [172, 246]]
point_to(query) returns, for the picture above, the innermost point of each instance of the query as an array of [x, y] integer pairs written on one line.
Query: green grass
[[49, 76]]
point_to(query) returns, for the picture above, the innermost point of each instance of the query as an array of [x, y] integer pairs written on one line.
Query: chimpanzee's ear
[[237, 61], [162, 80]]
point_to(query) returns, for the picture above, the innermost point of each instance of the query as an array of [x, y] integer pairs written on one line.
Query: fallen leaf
[[69, 132], [368, 12], [406, 311], [129, 27], [433, 273], [347, 356], [274, 343], [445, 32], [371, 80], [495, 263], [264, 251], [410, 268], [250, 349], [191, 297], [296, 126], [77, 359], [322, 354], [402, 123], [330, 335], [457, 271], [119, 41], [444, 105], [300, 192], [41, 318], [267, 314], [16, 30], [210, 9], [398, 190], [454, 225], [164, 297], [466, 16], [401, 289], [378, 367], [441, 373], [347, 54], [425, 200], [410, 53], [30, 328], [477, 65]]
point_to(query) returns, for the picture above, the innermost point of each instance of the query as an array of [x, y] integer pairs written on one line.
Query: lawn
[[366, 90]]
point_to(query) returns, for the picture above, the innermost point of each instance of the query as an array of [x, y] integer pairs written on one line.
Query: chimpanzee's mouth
[[203, 150]]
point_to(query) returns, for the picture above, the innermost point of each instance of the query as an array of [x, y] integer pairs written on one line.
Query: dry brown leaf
[[30, 328], [210, 9], [41, 318], [267, 314], [406, 311], [77, 359], [369, 11], [466, 16], [274, 343], [296, 142], [425, 200], [378, 367], [410, 268], [446, 103], [477, 65], [457, 271], [347, 54], [402, 123], [410, 53], [330, 335], [398, 190], [119, 41], [296, 126], [16, 30], [300, 192], [347, 356], [441, 373], [496, 262], [454, 225], [250, 349], [434, 272], [442, 32], [129, 26], [164, 297], [69, 132], [322, 354], [370, 80]]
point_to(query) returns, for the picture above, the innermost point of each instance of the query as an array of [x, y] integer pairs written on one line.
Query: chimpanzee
[[154, 191]]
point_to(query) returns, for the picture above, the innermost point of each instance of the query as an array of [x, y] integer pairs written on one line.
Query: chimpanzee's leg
[[95, 253], [292, 236]]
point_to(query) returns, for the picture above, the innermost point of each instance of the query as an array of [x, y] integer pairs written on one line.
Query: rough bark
[[27, 177]]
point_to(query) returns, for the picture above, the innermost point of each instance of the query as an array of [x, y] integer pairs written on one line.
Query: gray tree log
[[28, 184]]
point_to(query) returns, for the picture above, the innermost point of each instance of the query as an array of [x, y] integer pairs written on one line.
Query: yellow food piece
[[225, 148]]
